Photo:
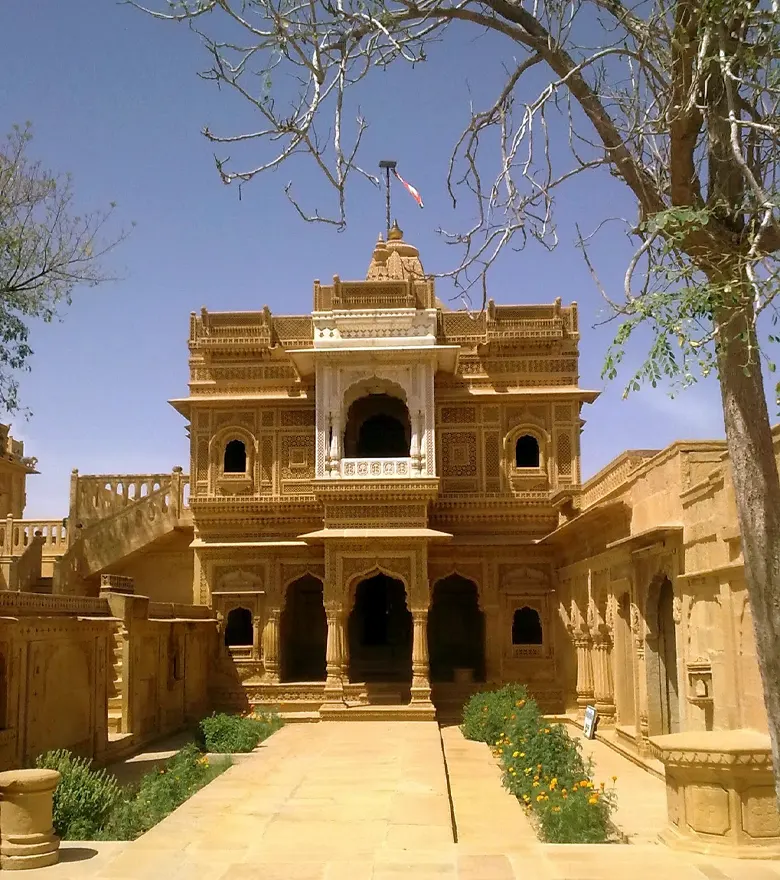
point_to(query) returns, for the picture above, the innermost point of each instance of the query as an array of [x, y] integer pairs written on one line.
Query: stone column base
[[720, 793], [27, 838]]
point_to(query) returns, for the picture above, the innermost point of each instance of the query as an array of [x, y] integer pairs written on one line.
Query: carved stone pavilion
[[384, 514]]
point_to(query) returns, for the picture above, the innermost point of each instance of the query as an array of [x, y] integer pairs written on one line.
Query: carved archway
[[379, 629], [303, 631], [663, 690], [456, 629]]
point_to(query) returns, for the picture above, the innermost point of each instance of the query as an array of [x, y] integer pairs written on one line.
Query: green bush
[[83, 798], [160, 792], [228, 734], [543, 767]]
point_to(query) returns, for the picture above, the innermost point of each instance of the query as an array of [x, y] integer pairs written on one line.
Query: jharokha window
[[527, 452], [235, 458], [526, 627]]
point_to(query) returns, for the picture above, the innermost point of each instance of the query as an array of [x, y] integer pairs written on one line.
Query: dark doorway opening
[[456, 630], [235, 458], [526, 627], [377, 427], [379, 631], [303, 632]]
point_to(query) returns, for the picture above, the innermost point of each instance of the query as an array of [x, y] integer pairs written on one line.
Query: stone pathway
[[371, 801]]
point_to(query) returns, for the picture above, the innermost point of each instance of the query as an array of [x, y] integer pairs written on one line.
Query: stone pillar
[[335, 444], [585, 695], [334, 654], [27, 838], [271, 646], [603, 685], [421, 682], [493, 644]]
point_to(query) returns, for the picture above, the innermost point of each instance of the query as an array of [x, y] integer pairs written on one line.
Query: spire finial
[[395, 233]]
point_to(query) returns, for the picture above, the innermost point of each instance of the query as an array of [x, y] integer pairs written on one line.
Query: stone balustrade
[[383, 468], [16, 535], [94, 497]]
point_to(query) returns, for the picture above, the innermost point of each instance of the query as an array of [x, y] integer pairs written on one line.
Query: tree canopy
[[46, 250]]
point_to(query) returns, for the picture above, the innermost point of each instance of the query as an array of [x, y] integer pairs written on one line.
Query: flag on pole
[[410, 189]]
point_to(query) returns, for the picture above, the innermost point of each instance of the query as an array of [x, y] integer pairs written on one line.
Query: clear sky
[[115, 100]]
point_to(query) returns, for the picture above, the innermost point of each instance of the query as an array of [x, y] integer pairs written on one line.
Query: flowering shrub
[[543, 767], [236, 733], [83, 797], [160, 792]]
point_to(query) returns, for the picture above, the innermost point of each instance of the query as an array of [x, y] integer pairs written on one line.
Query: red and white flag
[[410, 189]]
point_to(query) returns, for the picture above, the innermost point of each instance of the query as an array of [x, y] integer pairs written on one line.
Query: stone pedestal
[[720, 793], [27, 838]]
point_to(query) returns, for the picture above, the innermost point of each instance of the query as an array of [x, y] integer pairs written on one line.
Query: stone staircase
[[116, 683], [113, 516]]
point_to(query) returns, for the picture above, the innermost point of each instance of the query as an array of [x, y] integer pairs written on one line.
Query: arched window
[[526, 627], [238, 630], [235, 458], [527, 452]]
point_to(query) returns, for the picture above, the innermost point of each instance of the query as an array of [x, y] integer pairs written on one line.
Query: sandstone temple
[[384, 513]]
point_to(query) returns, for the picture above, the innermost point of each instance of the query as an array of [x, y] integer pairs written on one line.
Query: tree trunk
[[757, 492]]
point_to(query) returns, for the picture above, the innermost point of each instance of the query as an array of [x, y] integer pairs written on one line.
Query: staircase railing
[[113, 515]]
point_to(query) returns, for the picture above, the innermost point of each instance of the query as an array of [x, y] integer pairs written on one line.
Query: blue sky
[[115, 100]]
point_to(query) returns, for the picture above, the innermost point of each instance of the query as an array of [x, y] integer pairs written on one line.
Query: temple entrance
[[456, 630], [303, 632], [379, 631]]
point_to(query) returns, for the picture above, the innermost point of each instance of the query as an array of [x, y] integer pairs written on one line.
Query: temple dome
[[394, 259]]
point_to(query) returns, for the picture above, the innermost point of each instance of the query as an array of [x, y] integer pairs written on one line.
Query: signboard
[[589, 725]]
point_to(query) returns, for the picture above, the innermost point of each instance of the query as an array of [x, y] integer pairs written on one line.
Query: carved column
[[421, 682], [335, 444], [271, 646], [414, 448], [334, 654], [493, 644], [603, 685], [584, 672]]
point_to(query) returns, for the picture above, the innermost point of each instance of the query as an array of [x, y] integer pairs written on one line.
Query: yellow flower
[[614, 778], [546, 729], [520, 704], [515, 754], [539, 798], [538, 766], [522, 754], [556, 809], [536, 783], [553, 782], [593, 800], [563, 794]]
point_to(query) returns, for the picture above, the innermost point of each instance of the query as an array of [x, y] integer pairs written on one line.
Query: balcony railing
[[376, 468]]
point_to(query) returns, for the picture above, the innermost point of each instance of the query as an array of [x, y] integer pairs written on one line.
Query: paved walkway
[[371, 801]]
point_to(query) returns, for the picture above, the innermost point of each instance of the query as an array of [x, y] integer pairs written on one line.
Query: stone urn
[[27, 838]]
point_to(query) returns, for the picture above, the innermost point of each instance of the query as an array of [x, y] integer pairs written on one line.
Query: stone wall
[[57, 672], [164, 571]]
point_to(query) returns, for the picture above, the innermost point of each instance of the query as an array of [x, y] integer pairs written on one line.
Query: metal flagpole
[[388, 165]]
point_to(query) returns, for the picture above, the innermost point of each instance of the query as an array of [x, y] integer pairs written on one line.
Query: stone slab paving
[[370, 801]]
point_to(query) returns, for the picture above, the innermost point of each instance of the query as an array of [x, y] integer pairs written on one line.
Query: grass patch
[[542, 766], [228, 734]]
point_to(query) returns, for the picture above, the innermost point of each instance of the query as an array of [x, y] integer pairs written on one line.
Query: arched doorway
[[377, 426], [624, 664], [238, 628], [303, 632], [667, 657], [456, 630], [663, 702], [379, 631]]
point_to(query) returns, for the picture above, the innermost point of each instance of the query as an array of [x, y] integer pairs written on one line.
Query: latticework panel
[[564, 454]]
